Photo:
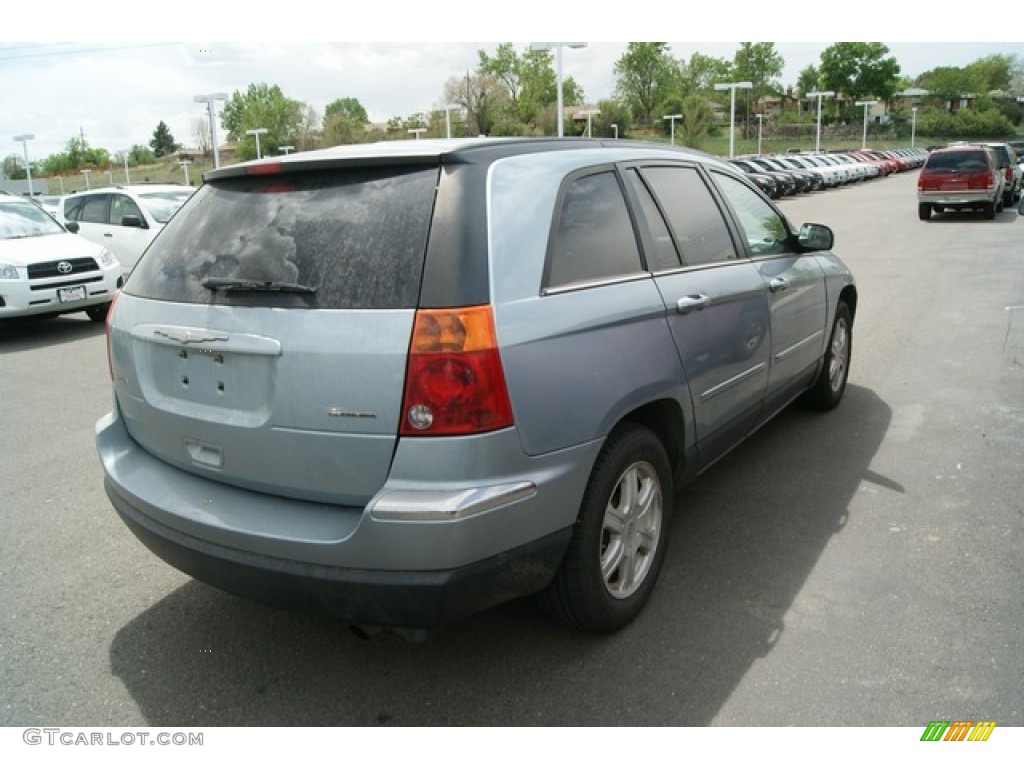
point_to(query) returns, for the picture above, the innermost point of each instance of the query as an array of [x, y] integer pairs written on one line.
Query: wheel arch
[[666, 420]]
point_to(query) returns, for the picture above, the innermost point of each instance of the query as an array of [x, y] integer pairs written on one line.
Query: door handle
[[694, 301], [778, 284]]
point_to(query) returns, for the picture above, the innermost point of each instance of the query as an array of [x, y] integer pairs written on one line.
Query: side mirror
[[72, 227], [132, 221], [815, 237]]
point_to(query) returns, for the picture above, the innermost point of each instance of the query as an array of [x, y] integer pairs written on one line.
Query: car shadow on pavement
[[745, 537], [21, 334]]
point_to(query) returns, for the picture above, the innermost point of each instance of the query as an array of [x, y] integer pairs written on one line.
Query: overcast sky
[[117, 92]]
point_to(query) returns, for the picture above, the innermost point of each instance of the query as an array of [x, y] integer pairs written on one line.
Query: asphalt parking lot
[[861, 567]]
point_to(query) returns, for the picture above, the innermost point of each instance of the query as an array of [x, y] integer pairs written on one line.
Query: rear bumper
[[400, 599], [959, 198]]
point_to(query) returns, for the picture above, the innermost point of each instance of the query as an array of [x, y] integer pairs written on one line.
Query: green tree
[[344, 122], [482, 96], [261, 106], [761, 65], [140, 154], [698, 119], [808, 81], [530, 84], [644, 74], [701, 73], [349, 108], [991, 73], [14, 167], [163, 142], [857, 70]]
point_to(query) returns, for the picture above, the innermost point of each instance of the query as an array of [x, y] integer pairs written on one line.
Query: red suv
[[965, 176]]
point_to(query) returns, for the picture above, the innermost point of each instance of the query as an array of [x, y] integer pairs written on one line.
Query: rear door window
[[699, 230], [593, 239], [93, 209], [337, 239]]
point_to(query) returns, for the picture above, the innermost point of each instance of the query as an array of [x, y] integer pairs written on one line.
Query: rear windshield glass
[[957, 161], [337, 239]]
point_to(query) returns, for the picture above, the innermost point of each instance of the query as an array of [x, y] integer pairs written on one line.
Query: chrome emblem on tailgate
[[184, 337]]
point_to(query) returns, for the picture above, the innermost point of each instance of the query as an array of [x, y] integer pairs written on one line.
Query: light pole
[[24, 139], [615, 127], [867, 105], [820, 95], [558, 74], [760, 121], [86, 172], [913, 125], [185, 164], [448, 119], [208, 99], [673, 118], [286, 148], [110, 175], [256, 132], [589, 113], [124, 156], [417, 132], [731, 87]]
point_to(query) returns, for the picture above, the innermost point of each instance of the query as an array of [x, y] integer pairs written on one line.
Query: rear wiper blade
[[236, 284]]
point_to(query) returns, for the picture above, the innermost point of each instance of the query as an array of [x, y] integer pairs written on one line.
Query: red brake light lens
[[454, 383]]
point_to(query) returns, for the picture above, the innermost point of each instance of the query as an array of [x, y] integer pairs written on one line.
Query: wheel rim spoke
[[632, 527]]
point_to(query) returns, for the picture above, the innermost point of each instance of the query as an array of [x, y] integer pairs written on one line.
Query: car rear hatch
[[262, 340], [956, 171]]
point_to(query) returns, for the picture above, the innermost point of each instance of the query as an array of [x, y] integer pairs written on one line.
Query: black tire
[[1008, 199], [619, 539], [828, 388], [988, 211], [98, 313], [924, 211]]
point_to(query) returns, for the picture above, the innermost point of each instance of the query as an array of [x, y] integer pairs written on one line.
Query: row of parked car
[[795, 173]]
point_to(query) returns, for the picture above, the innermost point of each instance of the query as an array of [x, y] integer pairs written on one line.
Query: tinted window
[[957, 161], [663, 251], [764, 229], [121, 206], [696, 221], [594, 237], [94, 209], [356, 236]]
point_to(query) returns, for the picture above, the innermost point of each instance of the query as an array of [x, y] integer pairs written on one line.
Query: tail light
[[454, 382], [1009, 174]]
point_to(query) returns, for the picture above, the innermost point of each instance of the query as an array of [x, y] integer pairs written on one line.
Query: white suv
[[45, 270], [124, 219]]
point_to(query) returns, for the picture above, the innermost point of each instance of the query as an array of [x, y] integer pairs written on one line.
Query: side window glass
[[594, 238], [73, 210], [700, 232], [665, 255], [121, 206], [94, 209], [766, 232]]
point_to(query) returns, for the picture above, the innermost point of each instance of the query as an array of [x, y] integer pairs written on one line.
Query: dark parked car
[[404, 382]]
